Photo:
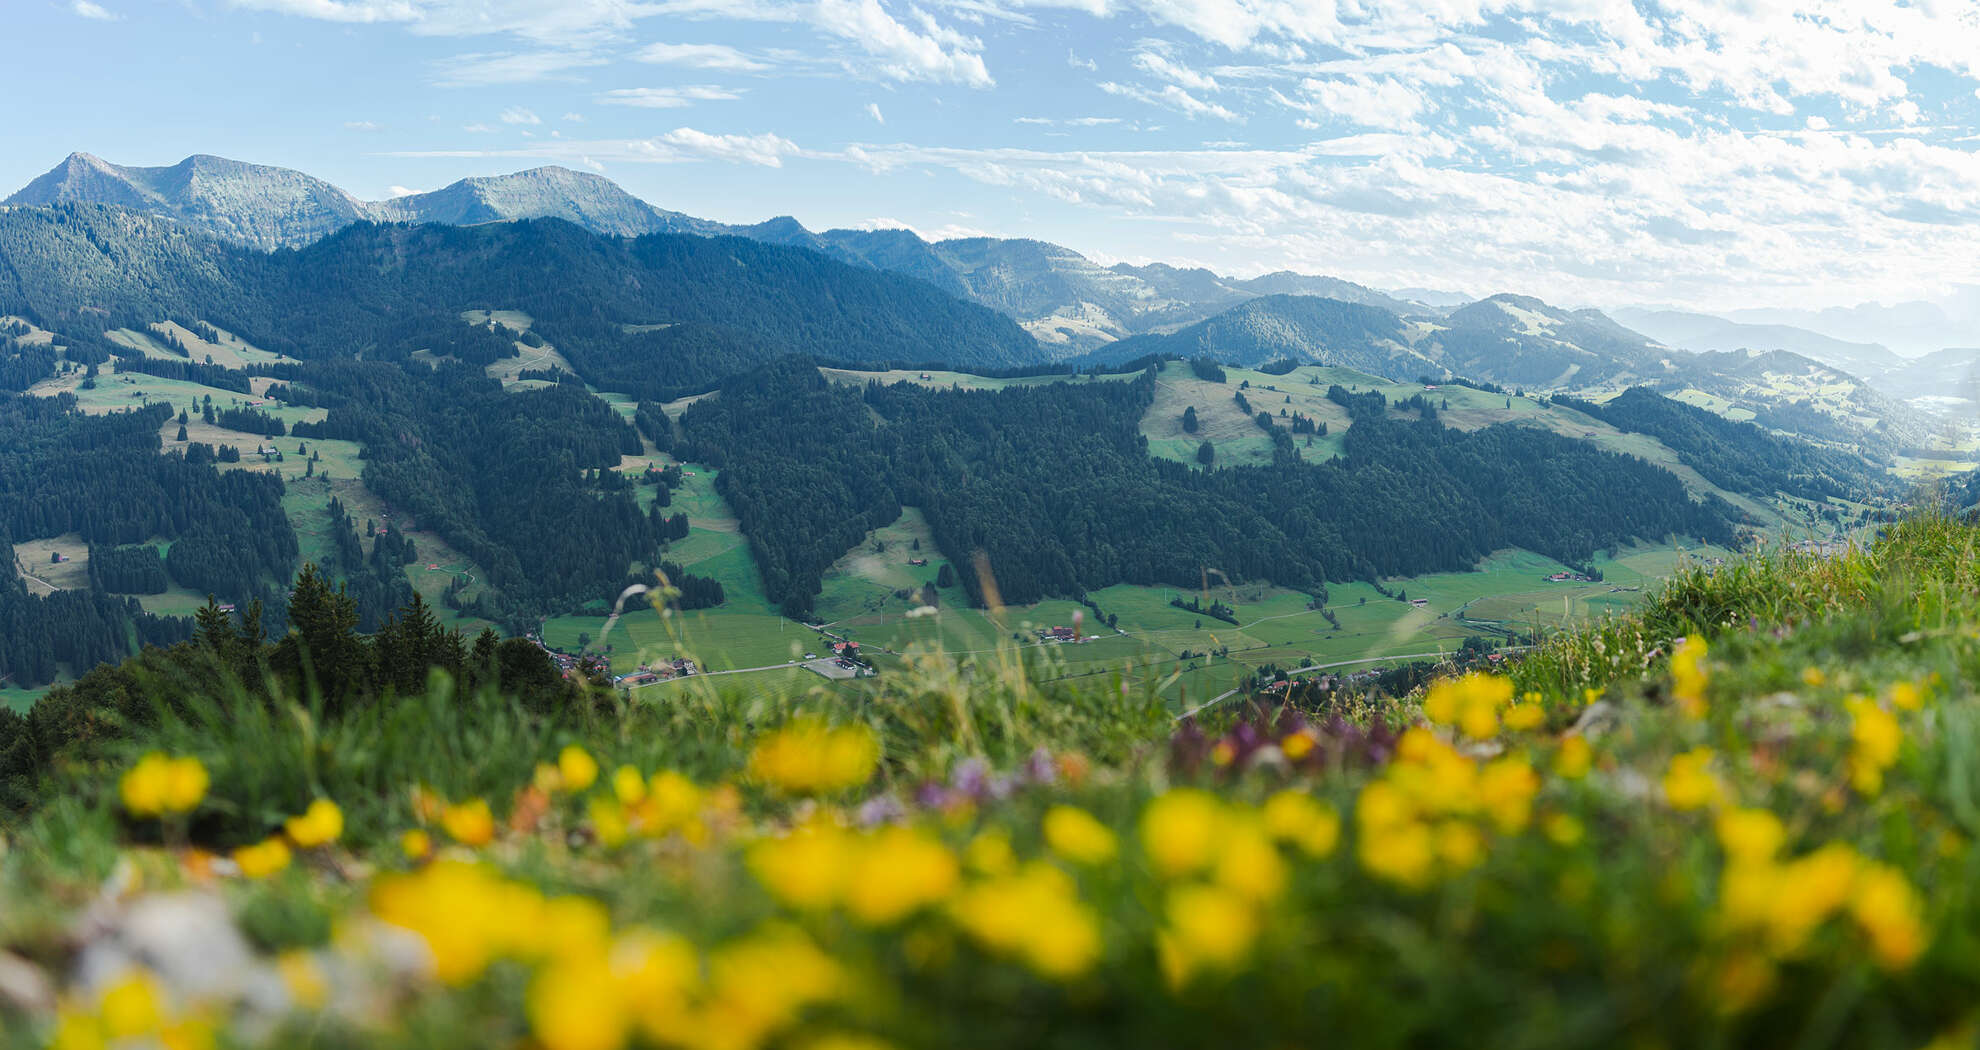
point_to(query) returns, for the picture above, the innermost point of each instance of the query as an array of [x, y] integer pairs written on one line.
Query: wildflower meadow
[[1745, 815]]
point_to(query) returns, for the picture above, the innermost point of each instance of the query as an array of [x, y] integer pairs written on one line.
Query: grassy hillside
[[1739, 816]]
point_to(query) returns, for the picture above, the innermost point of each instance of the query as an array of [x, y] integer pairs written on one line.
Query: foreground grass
[[1762, 834]]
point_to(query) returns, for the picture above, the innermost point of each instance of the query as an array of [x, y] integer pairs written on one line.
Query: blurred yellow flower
[[416, 844], [1573, 760], [1034, 915], [1688, 676], [304, 979], [130, 1008], [1248, 863], [1207, 928], [1689, 782], [1907, 696], [264, 858], [657, 974], [1180, 830], [1875, 738], [1750, 836], [320, 824], [897, 872], [1524, 718], [577, 1005], [1563, 829], [1470, 702], [1813, 677], [1074, 834], [159, 785], [629, 784], [1300, 819], [608, 822], [576, 768], [1298, 745], [469, 823], [1890, 913], [807, 868], [1506, 787], [809, 757], [990, 853]]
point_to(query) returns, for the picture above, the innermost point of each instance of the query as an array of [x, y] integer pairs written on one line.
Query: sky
[[1709, 155]]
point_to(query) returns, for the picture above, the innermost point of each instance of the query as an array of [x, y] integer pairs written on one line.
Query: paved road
[[1220, 698]]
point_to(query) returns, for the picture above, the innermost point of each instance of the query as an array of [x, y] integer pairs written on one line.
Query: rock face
[[250, 204]]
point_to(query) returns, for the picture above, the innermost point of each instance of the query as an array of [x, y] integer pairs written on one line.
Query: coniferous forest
[[1054, 486]]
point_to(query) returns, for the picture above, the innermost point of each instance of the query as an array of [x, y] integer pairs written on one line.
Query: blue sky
[[1707, 154]]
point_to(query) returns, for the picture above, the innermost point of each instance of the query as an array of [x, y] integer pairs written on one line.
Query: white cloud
[[873, 110], [678, 146], [394, 192], [700, 56], [1375, 102], [573, 118], [667, 97], [476, 129], [95, 12], [1172, 97], [1167, 69], [519, 115], [361, 125], [480, 69]]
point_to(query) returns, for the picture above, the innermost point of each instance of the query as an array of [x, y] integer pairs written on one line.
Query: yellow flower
[[1298, 745], [656, 973], [159, 785], [1033, 915], [990, 853], [809, 757], [608, 821], [629, 784], [1890, 914], [1574, 758], [576, 768], [1907, 696], [1876, 737], [1563, 829], [130, 1008], [1750, 836], [321, 824], [262, 859], [1688, 677], [1300, 819], [1180, 830], [896, 872], [546, 779], [1392, 843], [1470, 702], [1742, 980], [759, 985], [1689, 782], [304, 979], [1506, 787], [1459, 846], [1075, 835], [1248, 863], [806, 869], [847, 1041], [672, 803], [577, 1005], [1207, 928], [1524, 718], [1805, 892], [469, 823], [416, 844], [1813, 678]]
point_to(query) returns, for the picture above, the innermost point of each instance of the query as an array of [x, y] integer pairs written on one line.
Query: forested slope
[[1054, 486]]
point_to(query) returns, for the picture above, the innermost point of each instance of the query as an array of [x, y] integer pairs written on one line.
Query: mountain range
[[1080, 311], [1067, 301]]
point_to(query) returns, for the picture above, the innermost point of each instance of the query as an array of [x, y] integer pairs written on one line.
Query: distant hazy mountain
[[1945, 377], [1703, 332], [1910, 328], [1069, 302], [249, 204]]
